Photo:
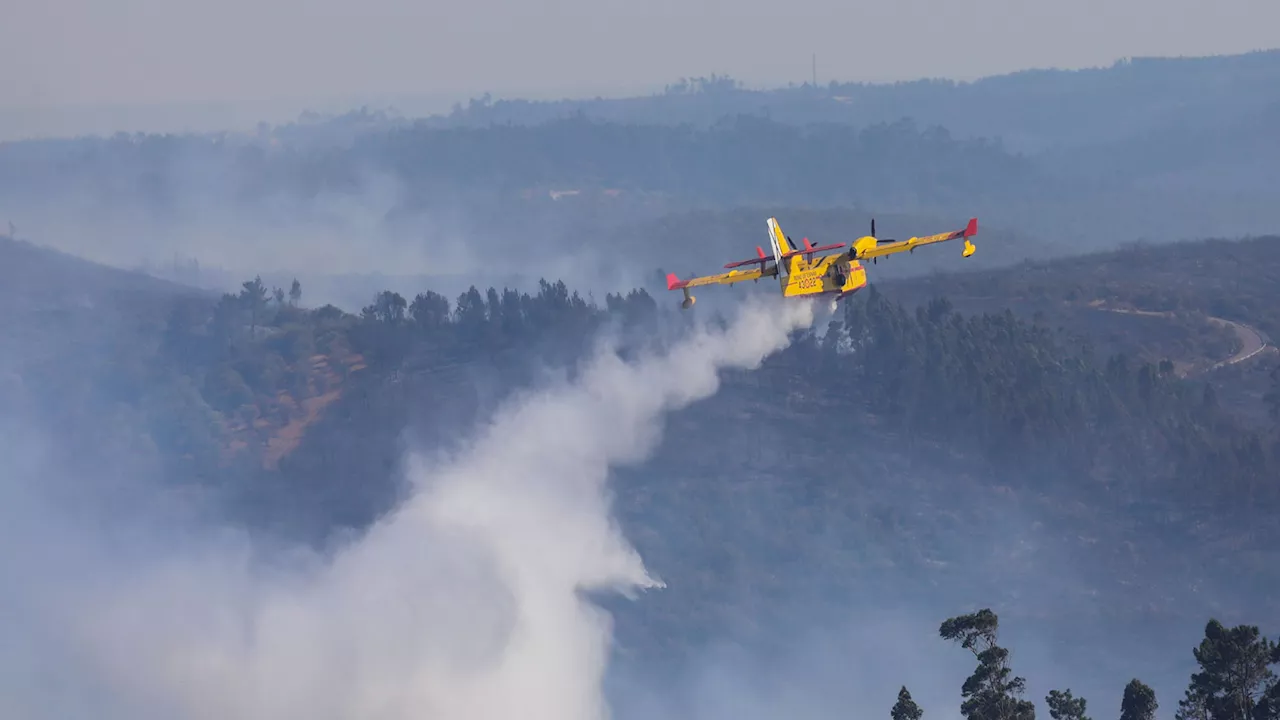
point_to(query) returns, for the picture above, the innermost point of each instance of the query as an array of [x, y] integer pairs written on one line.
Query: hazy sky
[[130, 52]]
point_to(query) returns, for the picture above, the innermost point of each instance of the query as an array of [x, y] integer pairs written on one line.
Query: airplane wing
[[906, 245], [729, 278]]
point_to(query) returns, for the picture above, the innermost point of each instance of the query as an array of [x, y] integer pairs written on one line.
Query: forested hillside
[[1144, 290], [945, 440], [1012, 365], [743, 159]]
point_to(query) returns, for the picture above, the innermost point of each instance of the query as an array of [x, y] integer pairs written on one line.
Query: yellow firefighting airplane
[[840, 274]]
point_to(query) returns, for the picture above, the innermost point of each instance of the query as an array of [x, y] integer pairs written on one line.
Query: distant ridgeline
[[1185, 148], [745, 159], [1030, 109]]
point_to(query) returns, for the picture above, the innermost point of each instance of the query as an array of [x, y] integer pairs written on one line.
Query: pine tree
[[1063, 706], [1139, 702], [905, 708], [990, 692], [1233, 675], [253, 297]]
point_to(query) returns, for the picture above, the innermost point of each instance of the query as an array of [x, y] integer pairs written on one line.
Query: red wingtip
[[972, 228], [807, 246], [672, 281], [760, 252]]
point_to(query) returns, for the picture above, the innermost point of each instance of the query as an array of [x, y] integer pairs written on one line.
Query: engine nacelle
[[688, 302]]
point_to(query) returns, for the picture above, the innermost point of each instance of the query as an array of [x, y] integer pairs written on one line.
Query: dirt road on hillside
[[1252, 341]]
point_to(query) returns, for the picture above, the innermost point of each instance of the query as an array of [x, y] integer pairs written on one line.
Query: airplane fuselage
[[833, 274]]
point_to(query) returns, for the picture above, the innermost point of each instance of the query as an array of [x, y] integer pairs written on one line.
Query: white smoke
[[465, 604]]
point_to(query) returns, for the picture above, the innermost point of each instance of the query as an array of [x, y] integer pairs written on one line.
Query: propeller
[[878, 240], [873, 233]]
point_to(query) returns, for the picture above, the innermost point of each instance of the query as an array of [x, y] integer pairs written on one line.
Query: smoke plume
[[464, 604]]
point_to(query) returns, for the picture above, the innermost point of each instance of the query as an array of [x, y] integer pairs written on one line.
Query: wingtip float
[[800, 273]]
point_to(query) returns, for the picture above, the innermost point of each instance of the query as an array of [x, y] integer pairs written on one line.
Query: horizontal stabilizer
[[761, 259], [808, 250]]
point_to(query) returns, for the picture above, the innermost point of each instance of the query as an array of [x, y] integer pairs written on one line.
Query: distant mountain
[[1074, 161], [1030, 110]]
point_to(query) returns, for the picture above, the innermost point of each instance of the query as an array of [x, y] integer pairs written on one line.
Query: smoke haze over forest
[[370, 414]]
